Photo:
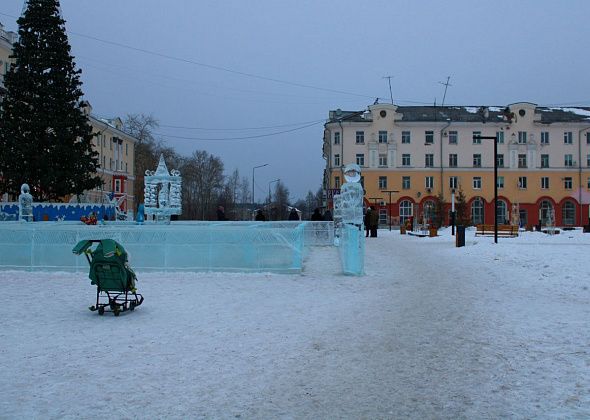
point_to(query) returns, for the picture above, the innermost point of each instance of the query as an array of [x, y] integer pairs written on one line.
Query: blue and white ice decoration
[[162, 192], [58, 211]]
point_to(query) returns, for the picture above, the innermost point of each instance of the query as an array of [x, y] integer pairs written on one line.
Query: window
[[382, 182], [117, 185], [360, 159], [568, 160], [544, 161], [452, 160], [126, 167], [588, 161], [500, 137], [429, 160], [544, 137], [429, 137], [406, 182], [567, 137], [588, 183], [544, 182], [567, 183], [382, 160], [476, 140], [522, 182], [453, 137], [477, 160], [429, 182], [126, 149], [500, 182], [406, 137], [453, 182], [477, 182], [500, 159], [477, 211], [104, 161], [587, 138], [522, 137], [568, 213], [111, 164], [111, 143], [428, 211], [522, 160], [337, 138], [337, 159], [406, 159], [360, 137], [336, 182], [406, 210], [382, 136]]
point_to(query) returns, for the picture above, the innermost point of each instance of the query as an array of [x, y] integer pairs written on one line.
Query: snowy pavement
[[431, 331]]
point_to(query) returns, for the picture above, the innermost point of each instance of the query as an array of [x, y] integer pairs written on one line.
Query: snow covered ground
[[431, 331]]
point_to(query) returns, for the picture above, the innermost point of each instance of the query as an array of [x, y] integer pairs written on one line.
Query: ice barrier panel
[[352, 250], [224, 246]]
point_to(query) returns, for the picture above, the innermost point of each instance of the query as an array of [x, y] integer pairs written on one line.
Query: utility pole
[[446, 85], [390, 92]]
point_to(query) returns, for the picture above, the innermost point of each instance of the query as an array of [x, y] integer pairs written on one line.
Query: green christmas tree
[[45, 136]]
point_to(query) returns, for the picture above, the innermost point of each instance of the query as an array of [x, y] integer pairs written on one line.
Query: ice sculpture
[[348, 209], [351, 196], [162, 194], [25, 204]]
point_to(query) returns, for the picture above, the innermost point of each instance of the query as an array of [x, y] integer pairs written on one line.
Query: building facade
[[116, 158], [7, 38], [426, 152]]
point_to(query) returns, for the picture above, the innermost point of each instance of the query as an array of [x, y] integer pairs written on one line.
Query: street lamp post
[[389, 205], [495, 138], [271, 182], [256, 167]]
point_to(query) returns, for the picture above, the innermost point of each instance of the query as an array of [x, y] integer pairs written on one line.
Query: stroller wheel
[[101, 310], [131, 306]]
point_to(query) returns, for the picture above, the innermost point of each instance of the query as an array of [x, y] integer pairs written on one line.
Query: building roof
[[467, 114]]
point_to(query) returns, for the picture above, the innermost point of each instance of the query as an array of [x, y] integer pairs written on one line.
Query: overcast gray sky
[[271, 63]]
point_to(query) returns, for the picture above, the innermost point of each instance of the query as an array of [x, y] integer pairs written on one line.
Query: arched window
[[568, 213], [547, 212], [477, 211], [405, 211], [502, 212], [428, 211]]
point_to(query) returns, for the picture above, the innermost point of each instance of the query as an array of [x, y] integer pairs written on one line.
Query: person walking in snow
[[367, 222], [316, 216]]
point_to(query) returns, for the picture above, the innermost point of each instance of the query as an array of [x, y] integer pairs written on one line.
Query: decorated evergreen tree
[[45, 136]]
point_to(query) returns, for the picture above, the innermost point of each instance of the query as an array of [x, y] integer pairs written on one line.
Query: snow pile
[[431, 331]]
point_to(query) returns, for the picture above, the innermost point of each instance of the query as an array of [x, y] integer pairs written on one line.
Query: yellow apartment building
[[7, 38], [427, 151]]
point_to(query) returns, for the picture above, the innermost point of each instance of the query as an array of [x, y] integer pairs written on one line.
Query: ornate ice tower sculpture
[[162, 192], [25, 204]]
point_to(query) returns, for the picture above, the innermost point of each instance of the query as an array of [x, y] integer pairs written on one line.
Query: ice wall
[[222, 246]]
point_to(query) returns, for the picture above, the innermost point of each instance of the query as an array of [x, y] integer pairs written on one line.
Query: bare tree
[[281, 201], [203, 184], [141, 127]]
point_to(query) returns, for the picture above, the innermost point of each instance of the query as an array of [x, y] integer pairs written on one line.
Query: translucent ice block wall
[[226, 246], [352, 250]]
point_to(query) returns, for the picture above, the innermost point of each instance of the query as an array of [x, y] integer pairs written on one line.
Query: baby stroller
[[109, 271]]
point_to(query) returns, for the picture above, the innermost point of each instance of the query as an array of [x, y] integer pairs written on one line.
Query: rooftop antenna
[[389, 81], [446, 85]]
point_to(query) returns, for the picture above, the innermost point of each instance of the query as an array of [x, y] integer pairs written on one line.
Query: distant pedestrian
[[221, 213], [316, 216], [260, 217], [367, 222], [293, 215], [374, 222], [328, 216]]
